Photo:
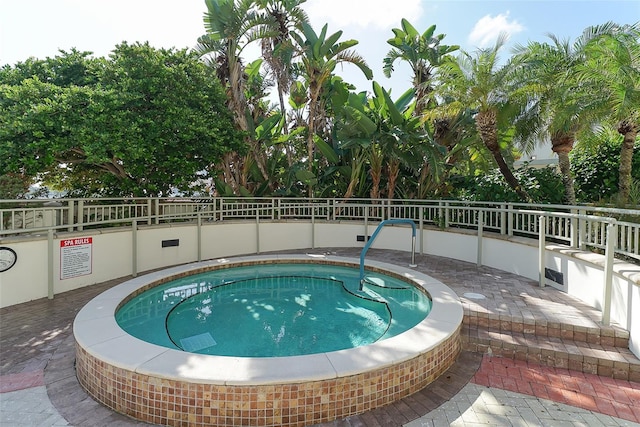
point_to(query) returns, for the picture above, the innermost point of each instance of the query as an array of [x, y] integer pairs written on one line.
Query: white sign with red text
[[75, 257]]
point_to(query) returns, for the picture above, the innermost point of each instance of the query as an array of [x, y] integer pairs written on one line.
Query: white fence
[[579, 227]]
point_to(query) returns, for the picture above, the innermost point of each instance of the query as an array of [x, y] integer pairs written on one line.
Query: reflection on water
[[273, 310]]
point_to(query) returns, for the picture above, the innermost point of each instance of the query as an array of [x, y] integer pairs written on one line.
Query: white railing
[[581, 227]]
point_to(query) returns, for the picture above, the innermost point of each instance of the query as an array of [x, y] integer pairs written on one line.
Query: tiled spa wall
[[181, 403]]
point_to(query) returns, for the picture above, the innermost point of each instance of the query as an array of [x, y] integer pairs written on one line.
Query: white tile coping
[[97, 332]]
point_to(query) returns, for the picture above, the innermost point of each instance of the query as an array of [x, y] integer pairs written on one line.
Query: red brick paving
[[617, 398], [21, 381]]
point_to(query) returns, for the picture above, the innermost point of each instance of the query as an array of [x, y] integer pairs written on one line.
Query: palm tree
[[613, 66], [557, 107], [319, 56], [478, 83], [454, 134], [277, 49], [231, 25], [423, 52]]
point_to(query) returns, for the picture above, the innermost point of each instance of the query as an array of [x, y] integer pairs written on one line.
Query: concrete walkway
[[38, 385]]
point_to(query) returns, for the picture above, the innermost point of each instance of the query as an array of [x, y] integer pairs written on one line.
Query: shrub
[[595, 170], [544, 185]]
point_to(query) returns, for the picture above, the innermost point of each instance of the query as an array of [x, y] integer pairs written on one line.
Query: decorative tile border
[[171, 402]]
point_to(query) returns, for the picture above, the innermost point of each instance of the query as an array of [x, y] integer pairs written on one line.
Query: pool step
[[611, 336], [602, 351]]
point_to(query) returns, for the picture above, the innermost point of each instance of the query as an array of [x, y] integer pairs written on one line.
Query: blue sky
[[470, 24], [40, 27]]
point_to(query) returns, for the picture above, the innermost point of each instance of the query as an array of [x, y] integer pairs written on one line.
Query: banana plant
[[230, 26], [389, 134], [423, 52], [319, 56]]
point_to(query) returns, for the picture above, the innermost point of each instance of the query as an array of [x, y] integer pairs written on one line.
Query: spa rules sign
[[75, 257]]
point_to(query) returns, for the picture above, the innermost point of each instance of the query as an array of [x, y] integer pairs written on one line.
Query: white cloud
[[488, 28], [381, 14], [370, 23]]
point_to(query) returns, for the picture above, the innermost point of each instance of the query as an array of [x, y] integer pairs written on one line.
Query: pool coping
[[97, 332]]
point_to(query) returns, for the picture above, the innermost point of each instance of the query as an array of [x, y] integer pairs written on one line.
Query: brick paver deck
[[539, 333]]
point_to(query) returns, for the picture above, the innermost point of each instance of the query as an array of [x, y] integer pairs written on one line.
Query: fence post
[[50, 250], [541, 249], [582, 231], [313, 226], [509, 219], [257, 231], [480, 231], [575, 230], [70, 215], [149, 211], [199, 219], [446, 214], [366, 224], [134, 248], [612, 237], [80, 219], [421, 220], [157, 212]]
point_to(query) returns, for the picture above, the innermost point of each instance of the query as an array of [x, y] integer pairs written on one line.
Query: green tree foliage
[[423, 52], [477, 81], [277, 49], [543, 185], [68, 68], [595, 169], [144, 122], [13, 186], [557, 108], [150, 122], [320, 54], [389, 137], [613, 67]]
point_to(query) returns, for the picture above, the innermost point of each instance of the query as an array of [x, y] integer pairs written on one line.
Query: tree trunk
[[567, 180], [311, 130], [394, 170], [486, 123], [562, 144], [422, 181], [237, 103], [509, 177], [229, 172], [375, 164], [356, 167], [232, 166], [630, 132], [285, 125]]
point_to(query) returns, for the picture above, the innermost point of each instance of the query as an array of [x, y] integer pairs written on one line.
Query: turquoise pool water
[[273, 310]]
